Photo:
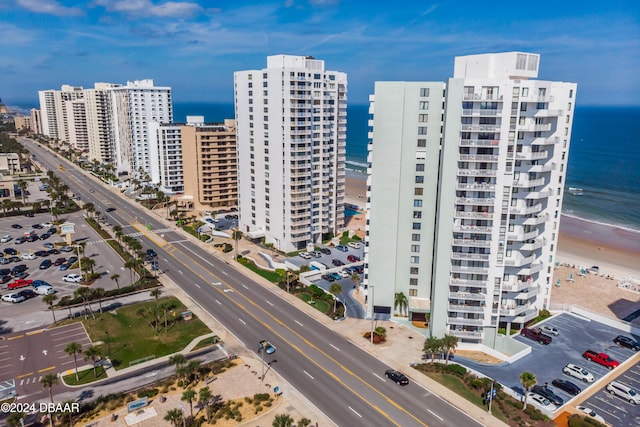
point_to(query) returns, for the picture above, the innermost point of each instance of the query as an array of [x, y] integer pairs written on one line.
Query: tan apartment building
[[22, 122], [9, 163], [210, 164]]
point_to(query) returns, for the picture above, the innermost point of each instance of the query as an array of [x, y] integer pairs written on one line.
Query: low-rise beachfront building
[[464, 195]]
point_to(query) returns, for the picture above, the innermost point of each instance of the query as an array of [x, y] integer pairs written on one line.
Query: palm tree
[[449, 343], [432, 345], [304, 422], [65, 300], [174, 416], [87, 266], [48, 381], [89, 208], [99, 293], [73, 349], [177, 360], [118, 232], [115, 278], [528, 380], [282, 420], [189, 396], [85, 294], [156, 294], [335, 289], [400, 302], [130, 264], [6, 205], [93, 353], [22, 185], [204, 398], [49, 300]]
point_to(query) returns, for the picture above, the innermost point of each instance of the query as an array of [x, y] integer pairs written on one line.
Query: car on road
[[151, 253], [550, 330], [541, 401], [6, 238], [545, 391], [45, 264], [396, 376], [59, 261], [353, 258], [567, 386], [28, 256], [72, 278], [16, 226], [27, 293], [14, 298], [110, 209], [590, 412], [624, 341], [342, 248], [10, 251], [266, 346], [578, 372], [354, 245]]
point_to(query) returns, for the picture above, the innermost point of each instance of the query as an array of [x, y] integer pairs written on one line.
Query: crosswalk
[[136, 234], [30, 380]]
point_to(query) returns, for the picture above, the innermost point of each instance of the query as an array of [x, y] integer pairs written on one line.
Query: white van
[[623, 391], [44, 290]]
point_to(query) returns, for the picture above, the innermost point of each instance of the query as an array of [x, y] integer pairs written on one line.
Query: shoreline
[[581, 242]]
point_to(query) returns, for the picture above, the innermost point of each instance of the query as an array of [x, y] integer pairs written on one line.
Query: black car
[[45, 236], [18, 269], [38, 226], [397, 377], [14, 259], [52, 230], [337, 262], [567, 386], [21, 275], [545, 391], [59, 261], [27, 293], [29, 214], [45, 264], [151, 253], [16, 226], [110, 209], [5, 271], [41, 253], [328, 278], [33, 238], [6, 278], [20, 240], [325, 251], [72, 259], [627, 342], [10, 251], [54, 251]]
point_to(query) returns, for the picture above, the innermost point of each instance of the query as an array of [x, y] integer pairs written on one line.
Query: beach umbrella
[[558, 283], [571, 276], [582, 271]]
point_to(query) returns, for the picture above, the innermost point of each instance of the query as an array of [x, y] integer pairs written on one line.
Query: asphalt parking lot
[[615, 410], [577, 334]]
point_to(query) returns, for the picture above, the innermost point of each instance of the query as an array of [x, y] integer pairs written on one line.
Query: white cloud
[[12, 35], [170, 9], [49, 7]]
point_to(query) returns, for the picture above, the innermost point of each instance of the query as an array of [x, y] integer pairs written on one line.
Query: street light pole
[[490, 397], [372, 313], [262, 363]]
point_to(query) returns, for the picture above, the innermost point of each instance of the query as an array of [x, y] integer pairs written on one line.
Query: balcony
[[473, 215], [517, 286], [464, 308], [482, 112], [528, 293], [484, 97], [478, 158], [549, 113], [470, 257], [479, 143], [468, 296], [514, 311], [481, 128], [472, 243], [521, 235], [526, 210], [475, 201], [474, 283], [536, 244], [477, 172], [529, 314], [518, 260], [469, 270], [547, 167], [546, 141], [539, 194], [536, 220], [527, 183], [471, 229], [532, 127], [532, 155], [464, 321], [532, 269], [467, 334]]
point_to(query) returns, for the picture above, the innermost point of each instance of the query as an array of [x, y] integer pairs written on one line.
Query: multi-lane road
[[341, 379]]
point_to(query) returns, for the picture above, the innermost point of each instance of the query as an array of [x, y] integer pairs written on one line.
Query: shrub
[[150, 392], [456, 369]]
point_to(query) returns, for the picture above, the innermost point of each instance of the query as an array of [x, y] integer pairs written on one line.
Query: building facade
[[465, 194], [36, 121], [100, 137], [210, 164], [22, 123], [291, 130], [165, 157]]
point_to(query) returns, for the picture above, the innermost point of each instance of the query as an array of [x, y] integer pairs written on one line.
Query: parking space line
[[604, 410]]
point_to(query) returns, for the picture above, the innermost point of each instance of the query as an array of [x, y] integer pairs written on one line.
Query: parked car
[[45, 290], [27, 294], [336, 276], [536, 335], [548, 393], [354, 245], [72, 278], [16, 226], [41, 253], [33, 238], [38, 226], [5, 278], [550, 330], [28, 256], [49, 245], [266, 346], [72, 259], [53, 251], [567, 386], [578, 372], [325, 251], [37, 283], [624, 391], [396, 376], [20, 283], [6, 238], [18, 269], [10, 251], [590, 412], [59, 261], [52, 230], [343, 274], [5, 271], [353, 258], [337, 262], [14, 259], [65, 266], [342, 248], [328, 278], [541, 401], [14, 298], [627, 342], [45, 264], [601, 359], [20, 240], [66, 249], [305, 255], [45, 236], [315, 254], [46, 224]]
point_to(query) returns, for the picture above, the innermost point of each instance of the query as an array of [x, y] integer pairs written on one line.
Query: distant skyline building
[[291, 129], [466, 180], [36, 121]]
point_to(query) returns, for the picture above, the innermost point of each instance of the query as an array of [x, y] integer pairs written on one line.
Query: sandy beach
[[616, 251]]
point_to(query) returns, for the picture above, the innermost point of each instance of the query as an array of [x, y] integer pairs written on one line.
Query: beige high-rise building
[[36, 121], [53, 105], [210, 164]]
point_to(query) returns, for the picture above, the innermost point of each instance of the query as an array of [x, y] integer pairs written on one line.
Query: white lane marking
[[308, 374], [198, 286], [435, 415], [227, 290], [242, 321], [336, 348], [245, 286], [216, 283], [298, 323], [152, 374], [166, 260], [269, 302], [354, 411], [180, 271], [379, 377], [219, 302], [224, 272]]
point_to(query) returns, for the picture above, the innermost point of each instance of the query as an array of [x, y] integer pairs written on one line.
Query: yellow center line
[[14, 338], [35, 332], [46, 369], [24, 375], [331, 374], [149, 234]]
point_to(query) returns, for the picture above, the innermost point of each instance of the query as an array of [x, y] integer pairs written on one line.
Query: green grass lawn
[[85, 377], [131, 337], [319, 305], [271, 276], [207, 342]]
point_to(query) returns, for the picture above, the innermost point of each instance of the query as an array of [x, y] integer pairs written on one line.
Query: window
[[417, 191], [419, 179], [415, 260], [413, 282], [571, 93], [422, 130], [413, 292], [415, 237], [424, 91], [420, 167], [417, 214], [422, 143], [521, 61], [424, 105], [413, 270], [523, 106], [423, 118], [417, 203]]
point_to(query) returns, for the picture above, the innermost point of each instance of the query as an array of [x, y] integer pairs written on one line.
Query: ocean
[[603, 174]]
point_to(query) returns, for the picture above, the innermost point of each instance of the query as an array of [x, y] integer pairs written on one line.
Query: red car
[[353, 258], [20, 283]]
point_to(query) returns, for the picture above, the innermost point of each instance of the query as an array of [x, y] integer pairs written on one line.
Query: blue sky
[[194, 46]]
